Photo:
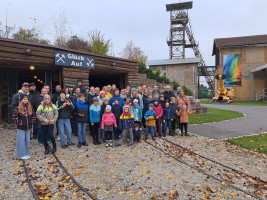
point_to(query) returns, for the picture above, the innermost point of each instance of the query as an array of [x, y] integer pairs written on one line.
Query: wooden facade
[[15, 62]]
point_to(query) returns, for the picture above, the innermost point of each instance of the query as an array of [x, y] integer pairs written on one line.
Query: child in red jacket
[[108, 120], [159, 112]]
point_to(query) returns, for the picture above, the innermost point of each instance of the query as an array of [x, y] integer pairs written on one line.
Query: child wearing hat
[[137, 112], [167, 118], [150, 118], [126, 125], [108, 121], [117, 110], [24, 117], [95, 113]]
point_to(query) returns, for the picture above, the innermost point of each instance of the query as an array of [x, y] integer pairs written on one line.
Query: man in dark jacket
[[116, 96], [65, 108], [117, 110], [74, 99], [90, 96], [16, 98], [34, 102], [168, 93], [56, 94], [81, 86]]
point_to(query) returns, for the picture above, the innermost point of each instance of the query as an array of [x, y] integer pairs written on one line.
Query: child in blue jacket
[[95, 118], [167, 118], [150, 118]]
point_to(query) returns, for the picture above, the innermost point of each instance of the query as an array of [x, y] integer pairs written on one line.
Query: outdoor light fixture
[[32, 67], [35, 77], [41, 81], [28, 51], [113, 64], [38, 80]]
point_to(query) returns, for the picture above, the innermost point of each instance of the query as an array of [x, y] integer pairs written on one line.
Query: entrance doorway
[[101, 80]]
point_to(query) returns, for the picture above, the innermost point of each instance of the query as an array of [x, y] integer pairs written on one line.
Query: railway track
[[33, 190], [240, 181]]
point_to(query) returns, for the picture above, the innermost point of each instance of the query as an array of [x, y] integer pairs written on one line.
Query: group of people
[[111, 114]]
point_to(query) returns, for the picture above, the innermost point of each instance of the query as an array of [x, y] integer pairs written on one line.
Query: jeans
[[35, 128], [23, 143], [62, 124], [40, 135], [81, 131], [168, 124], [150, 129], [47, 132]]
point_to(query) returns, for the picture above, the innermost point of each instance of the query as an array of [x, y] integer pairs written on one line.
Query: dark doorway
[[101, 80]]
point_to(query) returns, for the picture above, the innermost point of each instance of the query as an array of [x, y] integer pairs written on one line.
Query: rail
[[260, 95]]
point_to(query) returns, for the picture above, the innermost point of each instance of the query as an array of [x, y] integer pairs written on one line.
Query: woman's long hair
[[129, 113], [21, 108], [49, 105]]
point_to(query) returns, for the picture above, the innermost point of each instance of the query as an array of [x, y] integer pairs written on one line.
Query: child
[[47, 114], [162, 101], [126, 125], [183, 113], [108, 120], [82, 117], [137, 112], [101, 97], [148, 101], [24, 117], [117, 111], [174, 107], [150, 118], [95, 112], [167, 118], [103, 108], [136, 133], [65, 108], [159, 112]]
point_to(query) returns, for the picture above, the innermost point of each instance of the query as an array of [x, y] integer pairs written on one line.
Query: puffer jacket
[[150, 118], [47, 113], [159, 111], [117, 110], [82, 108], [126, 121], [108, 119], [137, 112], [95, 113], [23, 121], [167, 113], [112, 100], [64, 113]]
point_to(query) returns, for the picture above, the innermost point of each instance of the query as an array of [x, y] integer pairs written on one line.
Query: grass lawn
[[241, 103], [214, 115], [258, 142]]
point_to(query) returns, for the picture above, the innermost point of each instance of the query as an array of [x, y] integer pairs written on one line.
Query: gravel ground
[[136, 172]]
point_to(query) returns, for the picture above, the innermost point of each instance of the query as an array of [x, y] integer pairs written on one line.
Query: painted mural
[[232, 69]]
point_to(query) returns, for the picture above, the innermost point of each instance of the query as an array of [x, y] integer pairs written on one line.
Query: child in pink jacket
[[108, 120], [159, 112]]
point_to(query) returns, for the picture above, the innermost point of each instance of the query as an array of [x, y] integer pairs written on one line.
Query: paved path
[[254, 123]]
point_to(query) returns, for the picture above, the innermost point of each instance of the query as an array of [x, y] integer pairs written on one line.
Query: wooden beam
[[1, 93]]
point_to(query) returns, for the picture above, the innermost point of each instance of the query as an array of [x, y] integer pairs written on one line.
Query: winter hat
[[157, 100], [179, 88], [79, 80], [133, 89], [151, 105], [101, 92], [26, 84], [135, 101], [161, 95], [62, 91], [95, 99], [127, 106], [105, 99], [33, 84], [47, 97], [108, 107], [24, 96], [167, 87]]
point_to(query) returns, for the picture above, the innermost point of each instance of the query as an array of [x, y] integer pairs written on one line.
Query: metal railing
[[260, 95]]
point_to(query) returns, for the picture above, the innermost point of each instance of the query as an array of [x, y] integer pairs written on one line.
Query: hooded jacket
[[82, 108], [117, 110], [112, 100], [64, 113], [47, 113], [23, 121], [146, 104], [95, 113], [150, 118], [137, 112], [159, 111], [90, 97], [126, 121], [16, 98], [108, 119]]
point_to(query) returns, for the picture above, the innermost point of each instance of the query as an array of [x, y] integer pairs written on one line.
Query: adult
[[34, 102], [74, 99], [105, 89], [91, 94], [128, 87], [143, 88], [140, 90], [97, 90], [40, 97], [67, 90], [177, 94], [56, 94], [135, 95], [101, 97], [75, 96], [79, 85], [168, 93], [123, 95], [16, 98], [149, 89], [47, 87], [113, 88], [155, 90], [145, 95], [116, 96], [183, 100]]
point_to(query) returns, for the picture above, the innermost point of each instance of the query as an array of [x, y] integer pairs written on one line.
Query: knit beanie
[[95, 99], [24, 96], [62, 91], [133, 89], [108, 107], [105, 99], [101, 92], [135, 101], [151, 105], [127, 106]]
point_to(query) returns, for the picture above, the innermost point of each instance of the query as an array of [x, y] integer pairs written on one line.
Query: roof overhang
[[259, 68]]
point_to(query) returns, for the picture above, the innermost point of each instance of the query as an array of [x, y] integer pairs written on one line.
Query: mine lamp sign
[[69, 59]]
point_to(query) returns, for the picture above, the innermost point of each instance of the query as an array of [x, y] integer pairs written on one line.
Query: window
[[154, 68], [163, 67]]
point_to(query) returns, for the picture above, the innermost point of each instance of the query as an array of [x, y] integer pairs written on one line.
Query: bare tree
[[75, 42], [133, 52]]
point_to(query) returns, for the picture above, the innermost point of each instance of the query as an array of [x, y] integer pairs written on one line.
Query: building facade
[[244, 61], [183, 71]]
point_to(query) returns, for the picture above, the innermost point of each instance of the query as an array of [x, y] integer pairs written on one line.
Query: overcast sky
[[146, 22]]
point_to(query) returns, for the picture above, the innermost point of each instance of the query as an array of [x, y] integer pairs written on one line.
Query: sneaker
[[71, 144], [180, 131], [164, 135], [110, 143], [84, 144], [153, 138], [64, 146], [160, 135], [25, 157], [182, 134], [186, 134], [117, 145], [130, 144], [58, 138], [107, 144], [79, 144], [146, 137]]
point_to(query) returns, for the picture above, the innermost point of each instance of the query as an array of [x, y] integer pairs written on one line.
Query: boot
[[186, 134], [182, 134], [46, 151], [94, 140], [146, 137], [107, 143], [153, 138], [98, 141], [54, 148], [110, 143], [79, 144]]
